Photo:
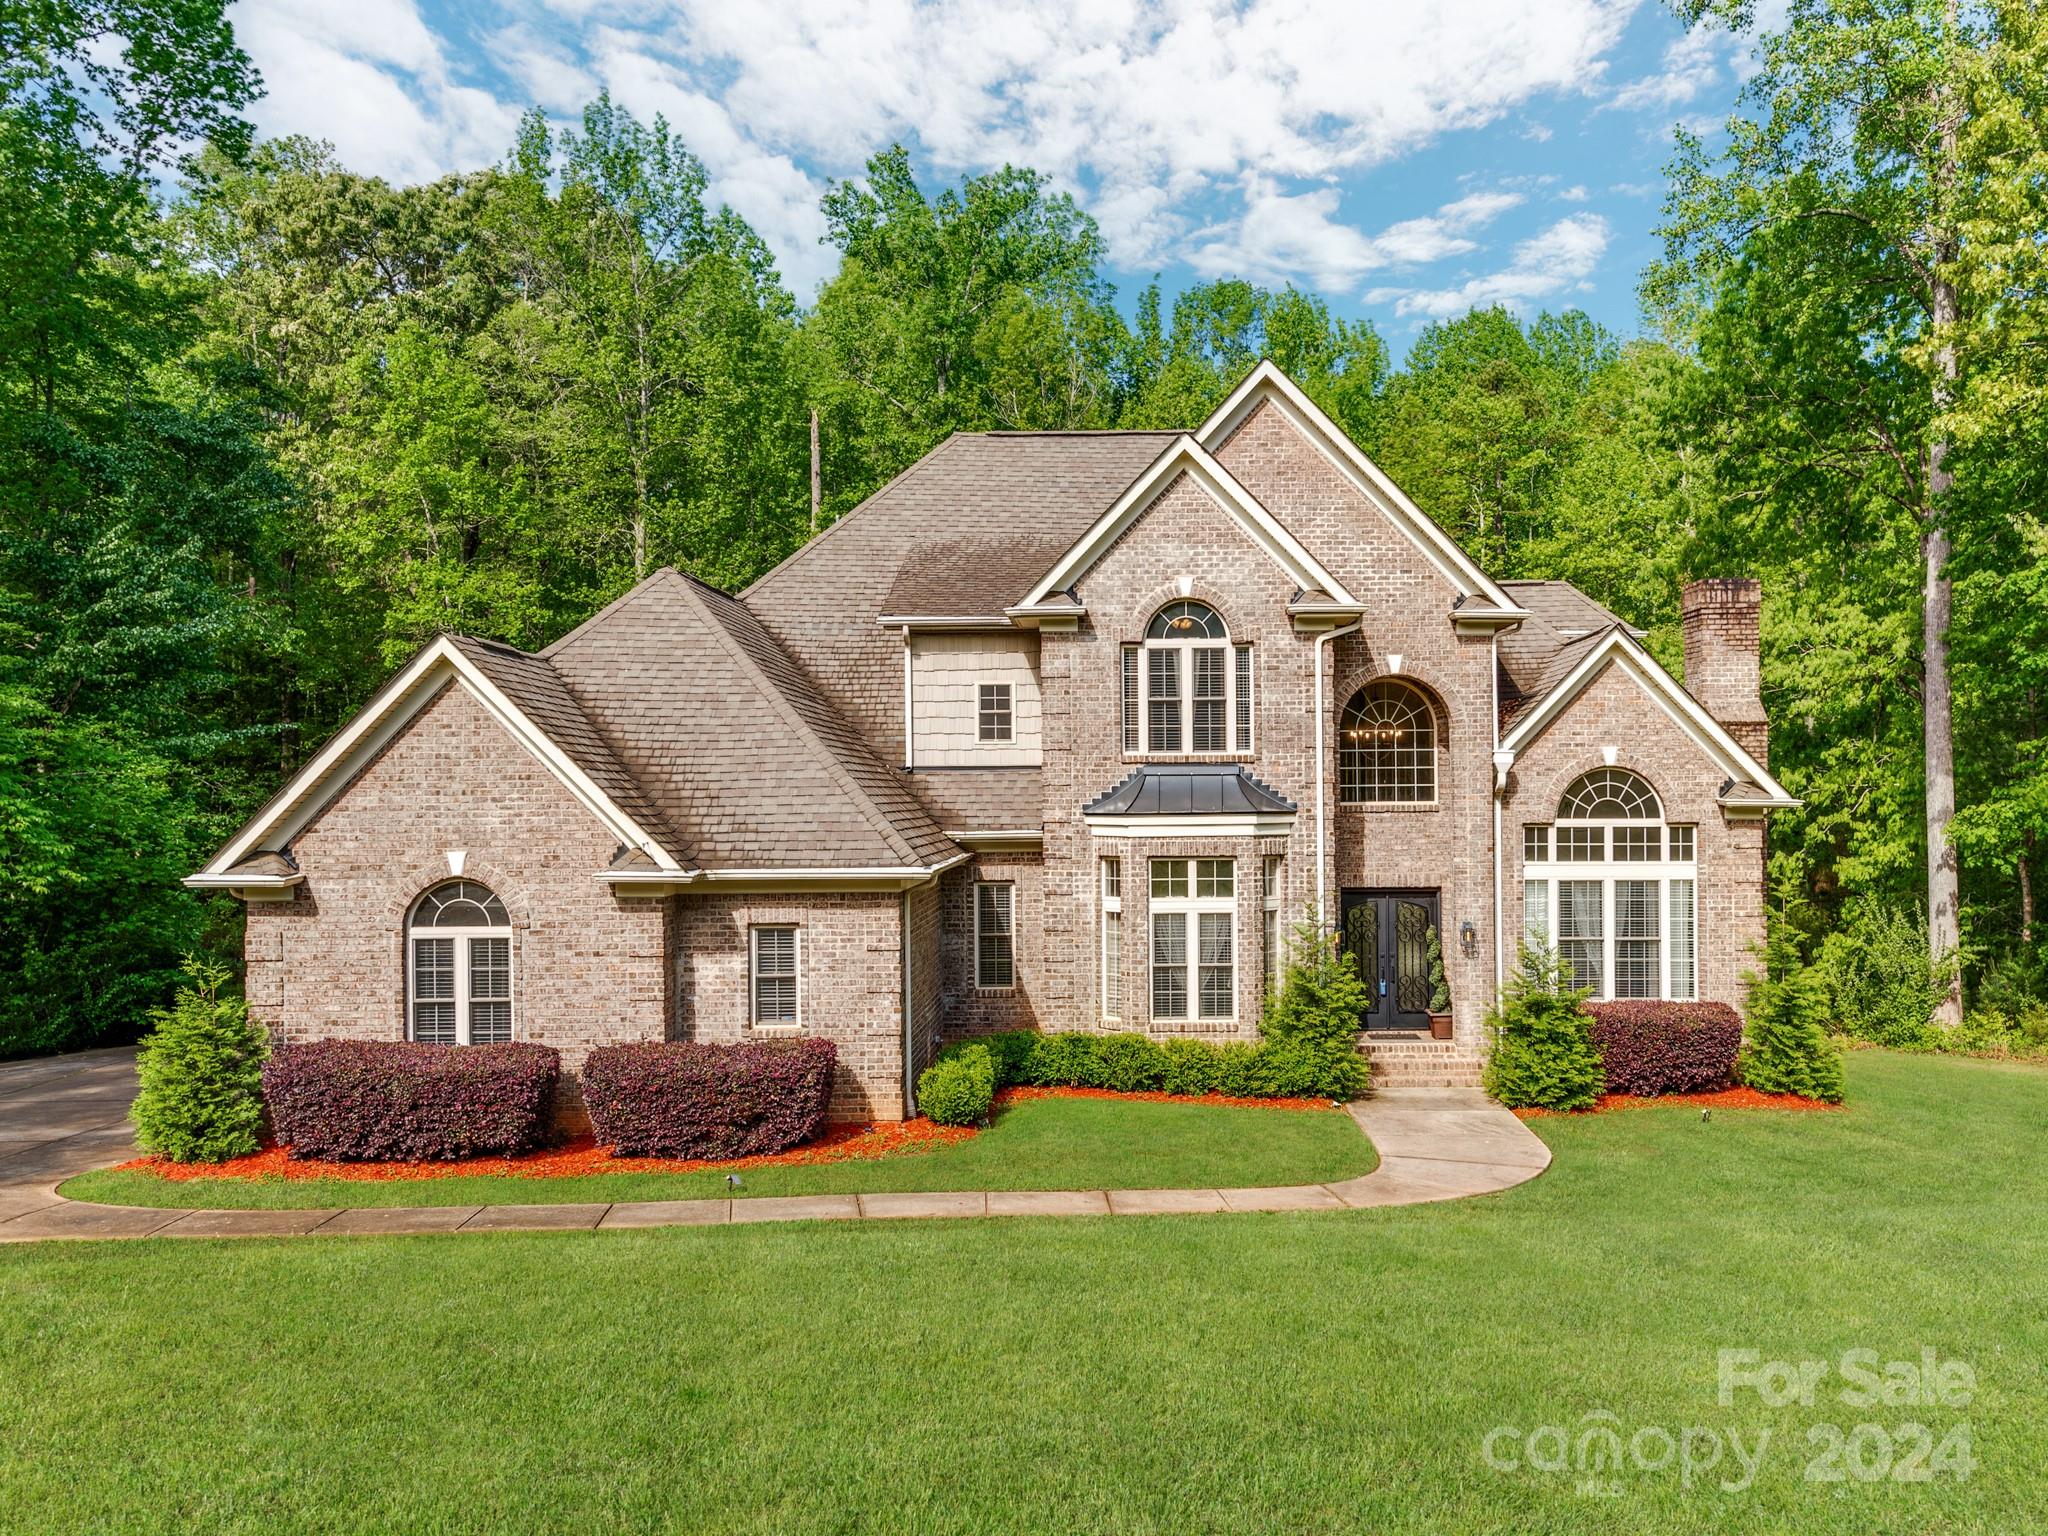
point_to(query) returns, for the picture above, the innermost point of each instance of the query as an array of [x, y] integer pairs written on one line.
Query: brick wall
[[1721, 619], [849, 982], [1614, 713], [968, 1010], [589, 968]]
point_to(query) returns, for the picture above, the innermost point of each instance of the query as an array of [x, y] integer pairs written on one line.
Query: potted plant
[[1439, 990]]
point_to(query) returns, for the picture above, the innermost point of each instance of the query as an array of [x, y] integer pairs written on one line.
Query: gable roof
[[1185, 456], [1560, 616], [1477, 591], [590, 772], [1578, 663]]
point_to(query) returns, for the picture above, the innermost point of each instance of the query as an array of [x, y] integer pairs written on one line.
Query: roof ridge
[[877, 817], [548, 651], [846, 517]]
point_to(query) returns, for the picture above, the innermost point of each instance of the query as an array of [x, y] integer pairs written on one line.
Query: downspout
[[909, 725], [909, 1020], [1502, 762], [1322, 907]]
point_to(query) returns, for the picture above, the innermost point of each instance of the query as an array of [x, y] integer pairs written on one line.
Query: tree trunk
[[817, 483], [1944, 884], [2027, 889]]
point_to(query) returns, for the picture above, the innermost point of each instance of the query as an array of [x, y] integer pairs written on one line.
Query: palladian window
[[1613, 887], [459, 970], [1186, 690], [1386, 746]]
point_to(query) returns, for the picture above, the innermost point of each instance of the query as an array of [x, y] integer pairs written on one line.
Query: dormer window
[[1186, 690]]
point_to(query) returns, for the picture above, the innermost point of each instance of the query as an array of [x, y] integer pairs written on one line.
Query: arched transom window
[[1613, 886], [1386, 746], [1186, 689], [459, 971]]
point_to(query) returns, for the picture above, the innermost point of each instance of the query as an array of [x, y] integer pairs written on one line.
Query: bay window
[[1194, 939]]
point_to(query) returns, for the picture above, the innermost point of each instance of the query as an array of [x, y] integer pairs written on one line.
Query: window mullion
[[462, 989]]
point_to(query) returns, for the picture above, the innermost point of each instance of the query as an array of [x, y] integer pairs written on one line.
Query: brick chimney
[[1723, 655]]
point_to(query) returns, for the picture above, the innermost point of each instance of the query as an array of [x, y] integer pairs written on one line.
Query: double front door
[[1386, 936]]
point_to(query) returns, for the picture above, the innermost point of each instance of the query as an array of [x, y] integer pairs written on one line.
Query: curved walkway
[[64, 1115]]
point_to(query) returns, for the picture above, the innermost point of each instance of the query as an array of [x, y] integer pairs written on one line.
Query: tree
[[1541, 1053], [201, 1073], [1843, 208], [1788, 1050]]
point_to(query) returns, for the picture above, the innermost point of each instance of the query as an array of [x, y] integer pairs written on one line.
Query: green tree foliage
[[1787, 1049], [1541, 1053], [1311, 1026], [1859, 266], [201, 1072]]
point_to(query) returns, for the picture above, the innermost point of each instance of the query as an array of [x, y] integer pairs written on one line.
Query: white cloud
[[1692, 64], [1213, 132], [1544, 265], [370, 77], [1281, 236], [1573, 194]]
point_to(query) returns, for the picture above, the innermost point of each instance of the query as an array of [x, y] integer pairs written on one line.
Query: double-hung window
[[996, 718], [459, 979], [995, 951], [1194, 939], [1186, 690], [1269, 937], [1112, 938], [773, 966], [1612, 887]]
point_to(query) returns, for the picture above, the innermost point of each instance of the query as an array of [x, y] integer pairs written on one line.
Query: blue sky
[[1406, 160]]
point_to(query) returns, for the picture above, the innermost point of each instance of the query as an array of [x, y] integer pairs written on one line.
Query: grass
[[1052, 1143], [1173, 1374]]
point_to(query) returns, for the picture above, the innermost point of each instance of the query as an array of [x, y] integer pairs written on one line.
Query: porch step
[[1413, 1063]]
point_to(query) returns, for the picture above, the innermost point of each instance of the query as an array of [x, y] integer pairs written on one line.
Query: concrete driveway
[[61, 1115]]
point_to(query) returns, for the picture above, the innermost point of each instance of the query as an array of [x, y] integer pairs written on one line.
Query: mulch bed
[[1720, 1098], [582, 1156], [573, 1159]]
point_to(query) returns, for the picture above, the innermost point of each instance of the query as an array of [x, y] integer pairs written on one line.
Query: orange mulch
[[573, 1159], [1150, 1096], [1720, 1098]]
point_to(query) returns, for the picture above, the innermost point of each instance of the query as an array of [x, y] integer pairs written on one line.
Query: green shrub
[[1064, 1060], [1322, 997], [1878, 982], [1788, 1049], [959, 1087], [1439, 989], [1237, 1074], [1009, 1052], [1313, 1069], [202, 1074], [1189, 1066], [1129, 1063], [1542, 1054]]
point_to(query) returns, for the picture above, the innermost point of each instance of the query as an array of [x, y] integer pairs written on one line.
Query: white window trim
[[1112, 907], [1011, 887], [1008, 713], [796, 960], [1184, 676], [463, 937], [1194, 908], [1270, 901], [1607, 872]]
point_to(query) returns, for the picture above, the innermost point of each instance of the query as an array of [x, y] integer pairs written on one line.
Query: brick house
[[1064, 730]]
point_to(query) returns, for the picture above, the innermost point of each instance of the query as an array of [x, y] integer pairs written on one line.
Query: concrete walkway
[[63, 1115]]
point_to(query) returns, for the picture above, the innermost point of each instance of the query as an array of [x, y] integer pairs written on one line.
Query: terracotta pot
[[1439, 1026]]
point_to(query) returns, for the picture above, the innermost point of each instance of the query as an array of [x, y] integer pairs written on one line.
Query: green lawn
[[1033, 1144], [1173, 1374]]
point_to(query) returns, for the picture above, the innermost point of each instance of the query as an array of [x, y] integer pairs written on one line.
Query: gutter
[[1322, 731]]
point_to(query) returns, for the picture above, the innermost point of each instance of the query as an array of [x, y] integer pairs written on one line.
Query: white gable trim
[[1186, 456], [1620, 650], [439, 666], [1267, 382]]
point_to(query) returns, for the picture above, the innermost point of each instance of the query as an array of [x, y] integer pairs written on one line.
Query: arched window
[[459, 976], [1615, 886], [1386, 746], [1196, 686]]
